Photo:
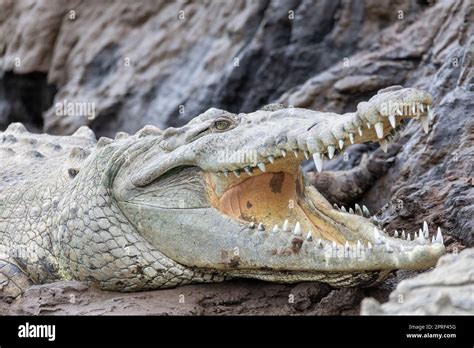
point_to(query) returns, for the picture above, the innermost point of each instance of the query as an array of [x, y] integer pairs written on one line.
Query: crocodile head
[[226, 192]]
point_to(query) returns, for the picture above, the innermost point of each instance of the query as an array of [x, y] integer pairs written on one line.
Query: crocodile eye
[[222, 124]]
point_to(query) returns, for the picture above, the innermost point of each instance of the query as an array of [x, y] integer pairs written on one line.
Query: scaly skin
[[161, 209]]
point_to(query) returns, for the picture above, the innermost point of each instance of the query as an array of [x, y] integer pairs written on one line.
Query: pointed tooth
[[275, 229], [430, 112], [422, 108], [425, 123], [331, 150], [319, 243], [365, 211], [415, 237], [297, 230], [306, 155], [262, 167], [226, 173], [237, 173], [261, 227], [351, 137], [318, 161], [283, 153], [421, 236], [395, 234], [285, 226], [309, 237], [383, 145], [369, 246], [341, 143], [425, 229], [408, 237], [252, 224], [358, 210], [343, 209], [296, 153], [413, 109], [400, 112], [403, 235], [360, 131], [392, 120], [433, 239], [335, 206], [351, 211], [439, 236], [368, 125], [248, 170], [359, 245], [379, 129], [270, 159]]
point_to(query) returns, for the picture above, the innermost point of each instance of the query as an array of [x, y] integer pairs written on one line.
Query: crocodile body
[[218, 198]]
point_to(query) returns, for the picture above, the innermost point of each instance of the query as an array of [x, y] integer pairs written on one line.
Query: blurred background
[[133, 63]]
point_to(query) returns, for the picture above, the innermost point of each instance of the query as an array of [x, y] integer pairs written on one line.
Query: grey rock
[[448, 289]]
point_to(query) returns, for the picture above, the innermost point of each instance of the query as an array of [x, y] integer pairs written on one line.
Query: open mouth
[[270, 196]]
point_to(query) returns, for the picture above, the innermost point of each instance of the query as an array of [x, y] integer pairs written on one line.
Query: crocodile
[[221, 197]]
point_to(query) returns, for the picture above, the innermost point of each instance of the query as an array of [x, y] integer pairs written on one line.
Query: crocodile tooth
[[359, 245], [252, 224], [388, 248], [351, 137], [275, 228], [395, 234], [422, 108], [403, 234], [296, 153], [236, 173], [399, 112], [433, 239], [306, 155], [368, 125], [283, 153], [358, 210], [392, 120], [285, 226], [439, 236], [425, 229], [351, 211], [309, 237], [319, 243], [341, 144], [425, 123], [248, 170], [365, 211], [374, 220], [379, 129], [413, 109], [331, 150], [383, 145], [262, 167], [369, 246], [360, 131], [421, 236], [415, 236], [335, 206], [261, 227], [226, 173], [297, 230], [270, 159], [318, 161], [343, 209]]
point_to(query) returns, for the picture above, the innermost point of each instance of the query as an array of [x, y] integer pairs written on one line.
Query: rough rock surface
[[331, 56], [447, 289]]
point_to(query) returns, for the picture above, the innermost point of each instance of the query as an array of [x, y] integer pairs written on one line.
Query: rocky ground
[[148, 63]]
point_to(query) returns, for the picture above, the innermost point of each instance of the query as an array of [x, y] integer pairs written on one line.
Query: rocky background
[[163, 62]]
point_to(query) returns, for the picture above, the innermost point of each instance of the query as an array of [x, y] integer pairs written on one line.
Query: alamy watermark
[[75, 108], [237, 157]]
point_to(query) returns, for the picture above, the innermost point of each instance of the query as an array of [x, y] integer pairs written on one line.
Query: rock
[[165, 64], [446, 290]]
